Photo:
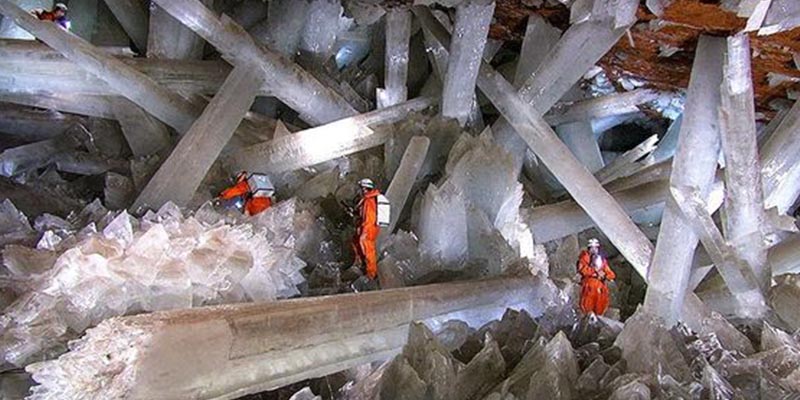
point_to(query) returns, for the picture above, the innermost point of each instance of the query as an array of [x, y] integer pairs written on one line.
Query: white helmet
[[60, 6], [366, 183], [594, 242]]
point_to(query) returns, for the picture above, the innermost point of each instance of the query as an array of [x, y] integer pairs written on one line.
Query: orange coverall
[[367, 232], [252, 205], [594, 291]]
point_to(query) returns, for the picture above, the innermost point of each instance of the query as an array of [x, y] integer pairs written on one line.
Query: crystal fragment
[[482, 373], [784, 299]]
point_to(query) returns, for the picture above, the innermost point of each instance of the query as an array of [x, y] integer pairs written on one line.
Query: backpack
[[384, 211]]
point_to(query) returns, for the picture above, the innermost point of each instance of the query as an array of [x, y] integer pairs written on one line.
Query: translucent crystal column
[[694, 164], [179, 176], [234, 350], [326, 142], [398, 33], [744, 217], [471, 31]]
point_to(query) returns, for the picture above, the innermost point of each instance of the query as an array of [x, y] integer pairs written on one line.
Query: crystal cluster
[[113, 264]]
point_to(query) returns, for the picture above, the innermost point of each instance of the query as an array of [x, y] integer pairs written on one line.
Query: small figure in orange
[[368, 228], [595, 272], [255, 191], [58, 15]]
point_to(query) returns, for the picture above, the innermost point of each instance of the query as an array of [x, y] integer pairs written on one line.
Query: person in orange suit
[[255, 201], [595, 273], [58, 15], [368, 229]]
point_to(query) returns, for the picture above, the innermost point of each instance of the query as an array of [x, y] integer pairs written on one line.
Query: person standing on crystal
[[252, 193], [595, 273], [372, 213], [58, 15]]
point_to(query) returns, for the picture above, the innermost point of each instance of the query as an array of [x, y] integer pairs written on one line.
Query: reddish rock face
[[683, 22]]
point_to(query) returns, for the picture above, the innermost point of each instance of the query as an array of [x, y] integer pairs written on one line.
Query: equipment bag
[[384, 211], [260, 185]]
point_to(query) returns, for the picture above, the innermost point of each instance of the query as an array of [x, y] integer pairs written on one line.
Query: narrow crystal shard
[[133, 17], [780, 166], [625, 164], [145, 134], [737, 273], [580, 139], [471, 30], [28, 157], [540, 37], [313, 146], [404, 179], [600, 107], [694, 164], [398, 33], [180, 175]]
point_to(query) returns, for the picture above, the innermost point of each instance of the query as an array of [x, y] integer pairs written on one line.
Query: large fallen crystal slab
[[231, 351], [470, 30], [35, 66], [398, 33], [783, 15], [181, 174], [164, 261], [32, 124], [29, 157], [322, 143], [294, 86], [557, 220], [694, 164]]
